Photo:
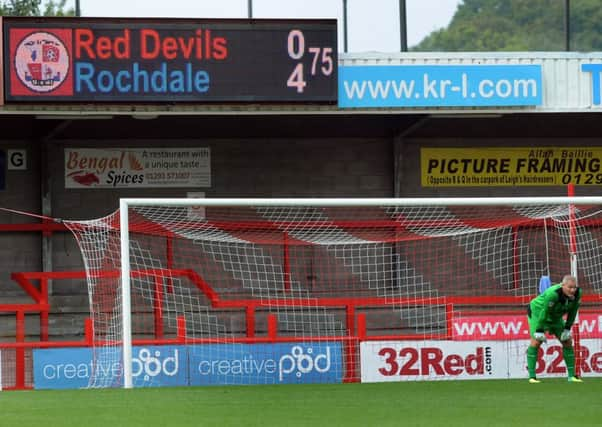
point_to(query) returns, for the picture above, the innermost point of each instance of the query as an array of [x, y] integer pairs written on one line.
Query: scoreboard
[[169, 60]]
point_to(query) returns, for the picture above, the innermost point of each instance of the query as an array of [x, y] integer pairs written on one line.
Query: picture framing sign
[[510, 166]]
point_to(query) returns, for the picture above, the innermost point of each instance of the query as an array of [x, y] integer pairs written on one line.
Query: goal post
[[248, 291], [126, 318]]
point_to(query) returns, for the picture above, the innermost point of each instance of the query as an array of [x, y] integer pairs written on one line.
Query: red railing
[[355, 322]]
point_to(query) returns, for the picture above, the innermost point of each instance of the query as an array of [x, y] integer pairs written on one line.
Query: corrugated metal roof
[[566, 87]]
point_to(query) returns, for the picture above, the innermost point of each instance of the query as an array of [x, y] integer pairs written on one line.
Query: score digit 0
[[321, 56]]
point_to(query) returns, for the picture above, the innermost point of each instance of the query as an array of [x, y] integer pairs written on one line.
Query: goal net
[[263, 291]]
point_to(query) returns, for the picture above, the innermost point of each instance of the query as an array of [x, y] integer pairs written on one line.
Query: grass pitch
[[554, 402]]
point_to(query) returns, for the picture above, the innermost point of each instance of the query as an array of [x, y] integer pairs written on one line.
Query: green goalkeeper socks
[[569, 359], [532, 360], [567, 353]]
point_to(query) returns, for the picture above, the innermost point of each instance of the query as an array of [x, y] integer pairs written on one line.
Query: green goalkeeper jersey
[[550, 306]]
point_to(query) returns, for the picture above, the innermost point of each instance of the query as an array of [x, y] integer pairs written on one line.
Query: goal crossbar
[[334, 202]]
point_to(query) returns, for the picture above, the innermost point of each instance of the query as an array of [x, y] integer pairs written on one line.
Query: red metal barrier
[[355, 322]]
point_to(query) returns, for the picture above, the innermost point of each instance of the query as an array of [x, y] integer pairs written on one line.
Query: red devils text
[[200, 44]]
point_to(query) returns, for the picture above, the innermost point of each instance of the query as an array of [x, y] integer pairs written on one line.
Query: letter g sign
[[17, 159]]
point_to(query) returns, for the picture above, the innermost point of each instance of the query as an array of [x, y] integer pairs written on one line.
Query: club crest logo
[[42, 62]]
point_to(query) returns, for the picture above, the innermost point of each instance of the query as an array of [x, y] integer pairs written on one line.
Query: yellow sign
[[513, 166]]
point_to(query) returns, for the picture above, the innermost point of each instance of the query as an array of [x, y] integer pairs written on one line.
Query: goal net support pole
[[574, 273]]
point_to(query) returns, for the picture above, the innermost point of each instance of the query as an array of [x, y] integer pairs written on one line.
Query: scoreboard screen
[[160, 60]]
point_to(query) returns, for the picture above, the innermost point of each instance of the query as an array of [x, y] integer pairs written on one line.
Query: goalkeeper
[[545, 313]]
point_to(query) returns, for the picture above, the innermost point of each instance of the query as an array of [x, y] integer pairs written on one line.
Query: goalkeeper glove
[[566, 335], [540, 336]]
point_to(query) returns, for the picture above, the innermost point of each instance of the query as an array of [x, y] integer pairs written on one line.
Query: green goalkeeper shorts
[[555, 328]]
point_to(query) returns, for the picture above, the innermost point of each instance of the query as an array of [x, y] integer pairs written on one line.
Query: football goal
[[264, 291]]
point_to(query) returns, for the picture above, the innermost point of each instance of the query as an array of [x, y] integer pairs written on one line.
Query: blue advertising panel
[[68, 368], [596, 71], [159, 366], [210, 364], [61, 368], [374, 86], [283, 363]]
